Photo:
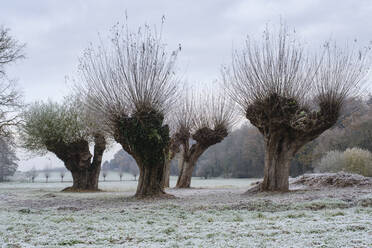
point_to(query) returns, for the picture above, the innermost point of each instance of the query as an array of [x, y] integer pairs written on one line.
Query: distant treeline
[[241, 154]]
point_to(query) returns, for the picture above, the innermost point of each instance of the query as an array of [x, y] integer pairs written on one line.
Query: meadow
[[215, 212]]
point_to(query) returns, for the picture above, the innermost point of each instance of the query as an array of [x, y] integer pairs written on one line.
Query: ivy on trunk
[[144, 137]]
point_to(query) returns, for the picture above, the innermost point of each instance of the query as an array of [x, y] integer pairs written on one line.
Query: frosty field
[[215, 213]]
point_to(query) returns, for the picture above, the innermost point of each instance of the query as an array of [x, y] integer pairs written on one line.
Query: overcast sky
[[57, 31]]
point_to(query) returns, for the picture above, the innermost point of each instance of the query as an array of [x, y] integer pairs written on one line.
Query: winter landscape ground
[[215, 213]]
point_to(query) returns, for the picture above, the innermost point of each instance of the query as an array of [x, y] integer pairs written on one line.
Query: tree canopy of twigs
[[131, 74], [276, 83], [281, 65], [131, 83]]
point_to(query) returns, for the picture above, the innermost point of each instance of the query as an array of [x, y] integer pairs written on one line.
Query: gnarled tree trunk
[[77, 159], [79, 180], [189, 160], [278, 156], [150, 180], [184, 179], [95, 167]]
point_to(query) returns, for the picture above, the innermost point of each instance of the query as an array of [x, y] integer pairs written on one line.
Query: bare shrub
[[358, 161], [332, 162]]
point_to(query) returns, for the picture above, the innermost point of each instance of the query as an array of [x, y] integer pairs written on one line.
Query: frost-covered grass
[[213, 214], [128, 183]]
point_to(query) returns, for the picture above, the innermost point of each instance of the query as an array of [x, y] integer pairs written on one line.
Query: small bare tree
[[132, 84], [32, 174], [46, 173], [104, 174], [62, 174], [121, 172], [201, 123], [66, 130], [276, 84]]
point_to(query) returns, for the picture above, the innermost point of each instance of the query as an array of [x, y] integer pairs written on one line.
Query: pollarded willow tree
[[200, 124], [131, 83], [290, 95], [66, 130]]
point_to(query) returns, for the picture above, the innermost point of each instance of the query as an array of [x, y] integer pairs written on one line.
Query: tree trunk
[[84, 180], [278, 155], [189, 159], [95, 167], [150, 180], [79, 180], [166, 173], [85, 174], [184, 179]]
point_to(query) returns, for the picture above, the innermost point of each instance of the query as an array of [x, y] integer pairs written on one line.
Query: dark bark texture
[[78, 160], [174, 148], [286, 127], [145, 138], [204, 137]]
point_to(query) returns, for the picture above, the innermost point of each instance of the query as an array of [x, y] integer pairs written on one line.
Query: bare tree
[[8, 159], [201, 123], [104, 174], [132, 84], [274, 82], [10, 49], [66, 130], [10, 96], [121, 172], [47, 173]]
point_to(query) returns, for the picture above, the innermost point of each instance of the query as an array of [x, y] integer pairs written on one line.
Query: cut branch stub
[[280, 114], [207, 137], [182, 135]]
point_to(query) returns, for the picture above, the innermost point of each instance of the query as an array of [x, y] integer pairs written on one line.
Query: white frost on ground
[[215, 213]]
